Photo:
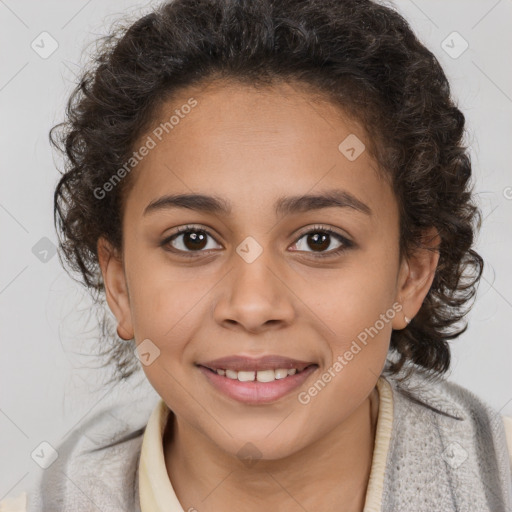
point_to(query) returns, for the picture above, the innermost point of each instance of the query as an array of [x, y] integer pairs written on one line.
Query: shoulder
[[96, 463], [442, 396], [448, 442], [455, 406]]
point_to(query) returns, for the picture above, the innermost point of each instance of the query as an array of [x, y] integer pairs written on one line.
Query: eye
[[189, 239], [320, 238], [192, 239]]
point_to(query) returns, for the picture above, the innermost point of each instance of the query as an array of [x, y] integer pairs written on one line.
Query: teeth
[[231, 374], [245, 376], [282, 373], [265, 376], [261, 375]]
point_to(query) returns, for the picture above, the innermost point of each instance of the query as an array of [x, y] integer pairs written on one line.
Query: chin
[[259, 445]]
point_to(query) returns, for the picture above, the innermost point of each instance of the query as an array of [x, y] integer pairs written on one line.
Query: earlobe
[[416, 276], [116, 289]]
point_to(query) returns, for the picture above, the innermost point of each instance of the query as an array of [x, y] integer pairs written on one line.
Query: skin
[[251, 147]]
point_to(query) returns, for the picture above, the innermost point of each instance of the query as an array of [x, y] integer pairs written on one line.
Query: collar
[[155, 489]]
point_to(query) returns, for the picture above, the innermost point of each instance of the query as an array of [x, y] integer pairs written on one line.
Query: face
[[264, 277]]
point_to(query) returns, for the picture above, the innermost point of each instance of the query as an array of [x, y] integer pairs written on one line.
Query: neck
[[338, 468]]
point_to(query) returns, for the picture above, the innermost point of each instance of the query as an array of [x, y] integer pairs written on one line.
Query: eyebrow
[[283, 206]]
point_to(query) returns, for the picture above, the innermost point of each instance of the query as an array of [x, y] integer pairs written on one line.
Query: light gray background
[[46, 387]]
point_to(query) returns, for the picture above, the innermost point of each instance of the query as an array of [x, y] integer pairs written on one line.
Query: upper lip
[[244, 363]]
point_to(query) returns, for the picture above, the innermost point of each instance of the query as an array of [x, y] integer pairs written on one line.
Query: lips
[[255, 392], [244, 363]]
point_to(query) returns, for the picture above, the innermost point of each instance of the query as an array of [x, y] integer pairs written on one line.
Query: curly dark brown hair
[[358, 54]]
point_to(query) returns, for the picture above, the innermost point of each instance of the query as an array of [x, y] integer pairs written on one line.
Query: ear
[[116, 289], [415, 277]]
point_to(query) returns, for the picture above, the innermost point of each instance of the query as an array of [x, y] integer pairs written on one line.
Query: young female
[[274, 198]]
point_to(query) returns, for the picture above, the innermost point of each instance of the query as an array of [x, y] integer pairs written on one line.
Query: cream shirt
[[156, 491]]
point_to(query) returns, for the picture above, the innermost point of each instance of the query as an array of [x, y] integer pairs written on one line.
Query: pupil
[[315, 238], [196, 238]]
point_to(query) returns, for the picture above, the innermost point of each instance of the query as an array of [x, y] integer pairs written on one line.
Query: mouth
[[256, 381], [258, 375]]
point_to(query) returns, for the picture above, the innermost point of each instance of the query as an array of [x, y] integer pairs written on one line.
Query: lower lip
[[255, 392]]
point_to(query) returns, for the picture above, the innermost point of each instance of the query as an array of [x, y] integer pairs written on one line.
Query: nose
[[255, 297]]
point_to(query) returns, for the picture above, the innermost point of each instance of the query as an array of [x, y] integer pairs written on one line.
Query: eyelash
[[346, 244]]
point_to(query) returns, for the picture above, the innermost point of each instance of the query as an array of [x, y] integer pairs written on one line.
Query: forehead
[[247, 144]]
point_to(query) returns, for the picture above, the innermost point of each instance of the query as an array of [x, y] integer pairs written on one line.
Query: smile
[[257, 386]]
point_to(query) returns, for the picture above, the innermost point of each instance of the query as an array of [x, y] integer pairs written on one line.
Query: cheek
[[351, 297], [163, 299], [355, 309], [357, 315], [166, 312]]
